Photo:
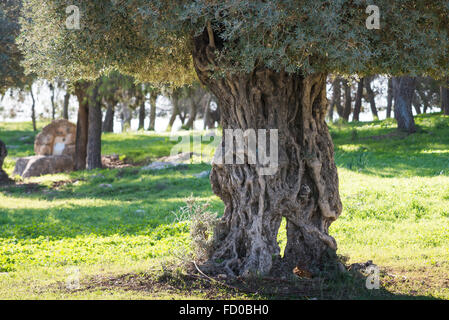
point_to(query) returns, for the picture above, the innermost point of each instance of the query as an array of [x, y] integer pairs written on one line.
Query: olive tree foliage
[[11, 72], [153, 39], [266, 62]]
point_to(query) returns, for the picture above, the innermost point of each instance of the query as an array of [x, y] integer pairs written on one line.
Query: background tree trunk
[[82, 125], [415, 103], [33, 109], [444, 91], [142, 114], [4, 179], [358, 101], [404, 88], [94, 136], [337, 96], [175, 111], [389, 98], [193, 112], [65, 111], [348, 100], [108, 124], [303, 189], [52, 99], [126, 116], [371, 98], [153, 100]]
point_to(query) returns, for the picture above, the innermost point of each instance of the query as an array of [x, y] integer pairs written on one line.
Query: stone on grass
[[55, 149], [203, 174], [157, 165], [40, 165], [56, 139]]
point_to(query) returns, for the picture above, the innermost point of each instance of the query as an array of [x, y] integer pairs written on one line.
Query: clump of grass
[[202, 226]]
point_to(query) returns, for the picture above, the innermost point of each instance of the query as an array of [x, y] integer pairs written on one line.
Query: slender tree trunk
[[142, 114], [192, 116], [82, 125], [153, 100], [65, 112], [108, 124], [303, 188], [444, 91], [175, 112], [389, 98], [94, 133], [337, 96], [424, 99], [415, 102], [348, 102], [371, 98], [33, 109], [52, 99], [126, 117], [404, 88], [358, 101]]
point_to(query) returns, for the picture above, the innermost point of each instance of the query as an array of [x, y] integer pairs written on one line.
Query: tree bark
[[82, 125], [303, 189], [444, 91], [371, 98], [404, 88], [153, 99], [65, 112], [389, 98], [94, 133], [358, 101]]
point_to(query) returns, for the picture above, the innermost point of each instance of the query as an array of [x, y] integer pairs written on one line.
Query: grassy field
[[124, 237]]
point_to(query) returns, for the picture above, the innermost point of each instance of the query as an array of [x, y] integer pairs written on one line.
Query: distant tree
[[445, 98], [404, 89], [371, 98], [358, 100], [389, 97]]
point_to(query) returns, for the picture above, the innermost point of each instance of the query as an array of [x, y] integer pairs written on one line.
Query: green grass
[[395, 195]]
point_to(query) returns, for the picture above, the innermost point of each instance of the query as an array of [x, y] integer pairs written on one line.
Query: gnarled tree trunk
[[303, 189]]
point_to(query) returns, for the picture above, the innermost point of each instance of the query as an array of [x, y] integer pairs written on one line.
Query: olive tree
[[266, 62]]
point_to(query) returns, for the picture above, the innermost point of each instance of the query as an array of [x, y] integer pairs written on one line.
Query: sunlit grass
[[395, 195]]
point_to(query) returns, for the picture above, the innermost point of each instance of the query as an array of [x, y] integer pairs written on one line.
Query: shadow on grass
[[125, 201], [177, 283]]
